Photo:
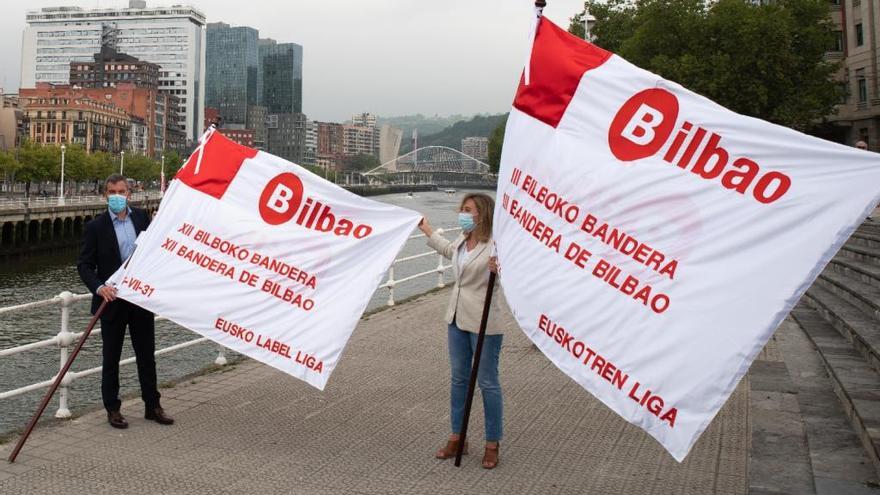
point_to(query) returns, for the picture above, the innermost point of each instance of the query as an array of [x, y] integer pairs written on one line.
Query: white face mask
[[466, 221], [116, 202]]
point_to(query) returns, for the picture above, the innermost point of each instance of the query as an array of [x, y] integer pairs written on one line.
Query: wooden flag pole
[[475, 368], [481, 336], [54, 387]]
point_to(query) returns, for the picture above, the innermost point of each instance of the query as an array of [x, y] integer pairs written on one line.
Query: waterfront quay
[[804, 420], [28, 225], [250, 429]]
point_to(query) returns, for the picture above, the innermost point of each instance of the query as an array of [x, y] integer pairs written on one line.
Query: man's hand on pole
[[107, 292]]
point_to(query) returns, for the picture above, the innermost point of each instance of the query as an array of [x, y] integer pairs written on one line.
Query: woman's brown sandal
[[490, 457], [450, 450]]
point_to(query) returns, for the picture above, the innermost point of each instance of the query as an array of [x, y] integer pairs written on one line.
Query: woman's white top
[[463, 255]]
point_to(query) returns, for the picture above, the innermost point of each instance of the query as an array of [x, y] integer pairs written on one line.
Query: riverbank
[[37, 277], [363, 190], [233, 360], [43, 226]]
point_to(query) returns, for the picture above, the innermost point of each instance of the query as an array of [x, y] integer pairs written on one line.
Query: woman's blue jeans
[[461, 355]]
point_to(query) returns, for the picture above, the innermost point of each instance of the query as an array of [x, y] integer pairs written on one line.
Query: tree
[[766, 61], [77, 165], [141, 168], [614, 23], [38, 163], [360, 162], [496, 142], [102, 165], [8, 168], [173, 162], [320, 172]]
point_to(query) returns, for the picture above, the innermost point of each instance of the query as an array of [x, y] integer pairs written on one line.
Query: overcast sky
[[388, 57]]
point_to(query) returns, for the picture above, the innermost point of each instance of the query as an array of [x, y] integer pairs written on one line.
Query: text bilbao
[[644, 124], [283, 200]]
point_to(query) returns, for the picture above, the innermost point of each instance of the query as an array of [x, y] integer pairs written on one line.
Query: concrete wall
[[36, 229]]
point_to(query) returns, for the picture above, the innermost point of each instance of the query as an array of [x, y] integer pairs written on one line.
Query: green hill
[[480, 125], [425, 125]]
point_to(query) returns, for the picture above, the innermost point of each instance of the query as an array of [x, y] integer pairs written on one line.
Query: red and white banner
[[264, 257], [650, 240]]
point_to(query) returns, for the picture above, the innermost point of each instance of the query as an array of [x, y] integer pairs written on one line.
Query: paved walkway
[[250, 429]]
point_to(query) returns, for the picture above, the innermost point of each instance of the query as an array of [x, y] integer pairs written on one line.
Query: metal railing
[[65, 339], [391, 282], [44, 201]]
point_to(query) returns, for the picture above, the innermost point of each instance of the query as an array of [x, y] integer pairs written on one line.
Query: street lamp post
[[61, 194], [589, 22], [162, 178], [121, 161]]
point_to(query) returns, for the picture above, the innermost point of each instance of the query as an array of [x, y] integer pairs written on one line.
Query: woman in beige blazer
[[471, 262]]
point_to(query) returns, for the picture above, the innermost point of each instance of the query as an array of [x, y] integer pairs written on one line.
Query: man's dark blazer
[[100, 257]]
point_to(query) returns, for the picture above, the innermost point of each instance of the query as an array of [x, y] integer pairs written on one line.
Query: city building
[[361, 136], [256, 120], [111, 68], [360, 140], [390, 139], [11, 121], [232, 71], [172, 37], [364, 119], [256, 85], [65, 116], [240, 135], [211, 116], [477, 147], [138, 94], [281, 76], [244, 137], [856, 45], [287, 136], [138, 137], [145, 106], [330, 144], [311, 143], [281, 96], [175, 135]]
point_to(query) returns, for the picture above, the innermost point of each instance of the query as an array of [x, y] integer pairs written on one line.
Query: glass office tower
[[281, 74], [232, 71]]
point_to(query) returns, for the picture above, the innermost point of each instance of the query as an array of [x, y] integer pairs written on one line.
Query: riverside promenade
[[251, 429]]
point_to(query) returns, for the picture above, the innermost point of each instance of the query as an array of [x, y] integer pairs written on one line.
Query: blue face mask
[[466, 221], [116, 202]]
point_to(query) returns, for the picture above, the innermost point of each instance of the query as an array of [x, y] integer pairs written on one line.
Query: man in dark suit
[[108, 241]]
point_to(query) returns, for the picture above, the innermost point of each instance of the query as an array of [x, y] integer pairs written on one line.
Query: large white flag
[[650, 240], [263, 257]]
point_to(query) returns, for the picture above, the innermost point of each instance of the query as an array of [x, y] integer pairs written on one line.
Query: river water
[[44, 276]]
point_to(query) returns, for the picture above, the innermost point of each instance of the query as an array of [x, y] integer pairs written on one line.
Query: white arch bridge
[[437, 165]]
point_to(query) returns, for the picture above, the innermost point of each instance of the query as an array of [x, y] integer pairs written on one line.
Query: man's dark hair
[[113, 179]]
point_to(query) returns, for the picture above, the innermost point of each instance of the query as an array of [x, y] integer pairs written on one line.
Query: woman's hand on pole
[[494, 267], [426, 227]]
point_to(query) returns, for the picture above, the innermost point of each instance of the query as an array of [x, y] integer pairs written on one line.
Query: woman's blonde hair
[[485, 210]]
